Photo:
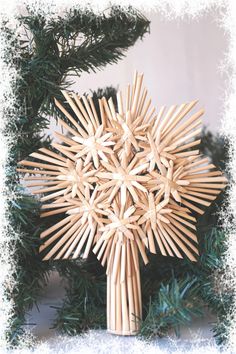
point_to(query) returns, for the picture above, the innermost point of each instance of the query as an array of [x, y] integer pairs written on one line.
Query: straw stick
[[124, 309], [53, 154], [118, 304], [73, 121]]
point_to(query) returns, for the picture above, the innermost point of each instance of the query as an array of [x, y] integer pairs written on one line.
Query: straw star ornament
[[125, 179]]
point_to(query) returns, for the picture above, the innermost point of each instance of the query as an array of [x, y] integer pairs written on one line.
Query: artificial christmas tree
[[128, 180]]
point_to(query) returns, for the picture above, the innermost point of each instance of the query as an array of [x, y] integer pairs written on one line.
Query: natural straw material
[[123, 184]]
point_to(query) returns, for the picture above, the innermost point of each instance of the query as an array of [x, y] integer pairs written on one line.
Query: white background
[[181, 61]]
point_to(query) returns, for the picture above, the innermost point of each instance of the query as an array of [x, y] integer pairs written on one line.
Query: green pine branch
[[175, 303], [84, 306], [81, 41], [31, 274]]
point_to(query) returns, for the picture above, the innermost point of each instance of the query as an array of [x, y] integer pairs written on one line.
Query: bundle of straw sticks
[[124, 179]]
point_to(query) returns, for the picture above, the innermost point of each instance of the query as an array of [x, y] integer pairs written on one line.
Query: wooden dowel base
[[124, 310], [122, 333]]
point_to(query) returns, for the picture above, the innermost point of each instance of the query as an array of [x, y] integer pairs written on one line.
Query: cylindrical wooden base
[[124, 303]]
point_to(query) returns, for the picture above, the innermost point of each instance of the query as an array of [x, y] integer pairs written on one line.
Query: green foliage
[[208, 290], [215, 293], [30, 275], [174, 304], [51, 49], [222, 329], [217, 148], [81, 41], [84, 306]]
